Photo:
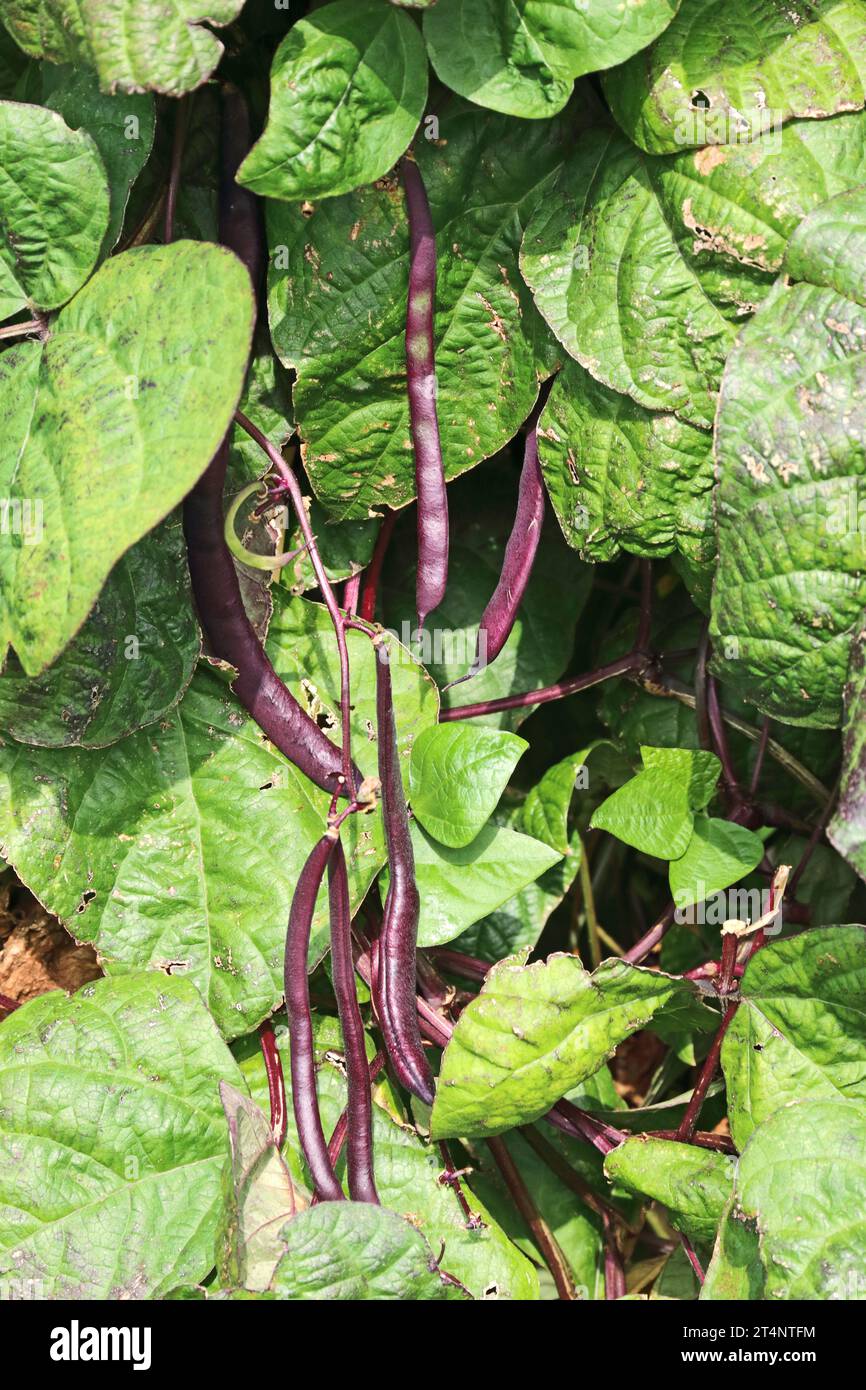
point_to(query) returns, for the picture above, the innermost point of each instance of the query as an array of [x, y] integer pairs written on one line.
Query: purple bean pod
[[305, 1100], [395, 986], [421, 386], [362, 1185], [212, 570], [499, 616]]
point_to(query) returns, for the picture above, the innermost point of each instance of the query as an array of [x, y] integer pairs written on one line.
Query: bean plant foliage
[[432, 589]]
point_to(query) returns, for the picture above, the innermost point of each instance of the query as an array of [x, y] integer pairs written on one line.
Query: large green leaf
[[728, 70], [522, 56], [457, 774], [337, 300], [54, 195], [348, 88], [460, 886], [800, 1030], [789, 589], [520, 920], [179, 847], [121, 126], [802, 1178], [350, 1251], [129, 664], [694, 1184], [622, 477], [134, 45], [408, 1174], [534, 1032], [115, 415], [642, 266], [112, 1140], [847, 829]]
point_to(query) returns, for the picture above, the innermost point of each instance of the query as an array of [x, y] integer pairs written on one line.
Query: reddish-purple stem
[[579, 1124], [450, 1177], [421, 386], [181, 124], [544, 1237], [351, 593], [276, 1082], [623, 666], [614, 1270], [395, 994], [304, 1097], [692, 1257], [362, 1185], [9, 1005], [651, 939], [457, 963], [373, 573]]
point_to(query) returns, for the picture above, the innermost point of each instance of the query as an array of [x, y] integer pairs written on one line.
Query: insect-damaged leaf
[[535, 1031], [789, 589], [134, 45], [337, 302], [113, 1140], [726, 72]]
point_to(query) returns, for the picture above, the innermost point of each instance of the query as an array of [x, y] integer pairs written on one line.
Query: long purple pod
[[395, 991], [214, 577], [305, 1101], [498, 618], [362, 1185], [421, 386]]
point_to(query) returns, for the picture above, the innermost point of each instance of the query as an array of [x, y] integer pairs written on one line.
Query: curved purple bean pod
[[499, 616], [421, 385], [214, 577], [305, 1101], [362, 1185], [395, 985]]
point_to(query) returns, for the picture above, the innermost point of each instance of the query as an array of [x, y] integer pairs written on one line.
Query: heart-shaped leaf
[[457, 774], [116, 414], [718, 854], [348, 88], [655, 811]]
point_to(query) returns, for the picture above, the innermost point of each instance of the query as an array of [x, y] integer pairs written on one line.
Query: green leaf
[[261, 1196], [54, 195], [178, 848], [724, 74], [522, 56], [847, 830], [134, 45], [644, 267], [802, 1179], [622, 477], [718, 854], [520, 921], [655, 811], [351, 1251], [534, 1032], [789, 590], [337, 303], [544, 813], [408, 1173], [348, 88], [456, 776], [113, 1143], [460, 886], [800, 1030], [129, 664], [693, 1184], [122, 128], [735, 1270], [159, 337]]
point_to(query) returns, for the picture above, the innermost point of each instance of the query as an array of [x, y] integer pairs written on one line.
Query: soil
[[37, 954]]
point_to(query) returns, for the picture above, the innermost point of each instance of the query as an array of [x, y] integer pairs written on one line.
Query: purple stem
[[651, 939], [544, 1237], [370, 588], [623, 666], [303, 1062], [692, 1257], [338, 1138], [614, 1271], [362, 1185], [421, 387]]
